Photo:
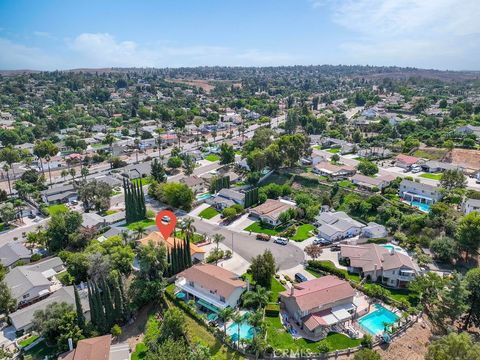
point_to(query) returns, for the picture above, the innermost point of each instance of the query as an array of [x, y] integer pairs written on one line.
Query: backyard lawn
[[258, 228], [28, 341], [303, 232], [208, 213], [437, 176], [401, 294], [212, 157], [55, 209], [39, 351], [333, 151], [146, 222], [346, 183], [276, 289], [280, 339]]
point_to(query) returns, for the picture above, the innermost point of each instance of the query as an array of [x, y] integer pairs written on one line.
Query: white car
[[281, 241]]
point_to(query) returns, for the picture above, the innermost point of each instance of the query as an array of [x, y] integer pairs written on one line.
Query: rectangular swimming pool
[[246, 331], [421, 206], [375, 322]]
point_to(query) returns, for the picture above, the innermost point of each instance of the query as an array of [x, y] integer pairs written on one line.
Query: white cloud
[[17, 56], [43, 34], [428, 33], [102, 49]]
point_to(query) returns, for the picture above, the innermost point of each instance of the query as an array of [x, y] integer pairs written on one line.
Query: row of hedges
[[327, 266], [377, 241], [272, 310]]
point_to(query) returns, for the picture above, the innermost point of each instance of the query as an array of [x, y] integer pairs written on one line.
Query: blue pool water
[[246, 331], [421, 207], [390, 247], [204, 197], [374, 322]]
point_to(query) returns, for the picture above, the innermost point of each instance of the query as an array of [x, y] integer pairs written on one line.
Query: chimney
[[70, 344]]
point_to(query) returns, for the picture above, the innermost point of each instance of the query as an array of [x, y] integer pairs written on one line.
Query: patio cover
[[341, 314], [208, 305]]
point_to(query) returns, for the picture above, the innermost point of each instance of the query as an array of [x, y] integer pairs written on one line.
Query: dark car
[[263, 237], [300, 278]]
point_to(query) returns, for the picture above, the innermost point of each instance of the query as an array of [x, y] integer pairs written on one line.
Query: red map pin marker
[[166, 228]]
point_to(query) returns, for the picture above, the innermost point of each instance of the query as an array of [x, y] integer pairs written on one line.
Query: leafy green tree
[[256, 299], [453, 179], [9, 155], [189, 164], [225, 315], [174, 194], [173, 325], [7, 301], [227, 154], [367, 168], [95, 195], [263, 269], [428, 286], [60, 227], [57, 323], [7, 212], [453, 301], [444, 249], [174, 162], [273, 157], [472, 284], [453, 346], [256, 160], [158, 171], [468, 233]]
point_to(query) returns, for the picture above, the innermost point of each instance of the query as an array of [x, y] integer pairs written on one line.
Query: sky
[[67, 34]]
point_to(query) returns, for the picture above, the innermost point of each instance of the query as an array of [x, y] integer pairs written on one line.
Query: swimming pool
[[391, 247], [420, 206], [375, 322], [246, 331], [204, 196]]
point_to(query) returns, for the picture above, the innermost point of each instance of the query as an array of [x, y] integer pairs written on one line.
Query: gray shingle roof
[[12, 252]]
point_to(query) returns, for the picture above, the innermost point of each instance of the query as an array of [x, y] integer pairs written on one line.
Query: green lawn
[[110, 212], [258, 228], [346, 183], [140, 352], [437, 176], [208, 213], [55, 209], [334, 151], [280, 339], [28, 341], [318, 147], [303, 232], [430, 154], [212, 157], [196, 237], [276, 289], [144, 181], [39, 351], [349, 276], [401, 294], [5, 227], [146, 222]]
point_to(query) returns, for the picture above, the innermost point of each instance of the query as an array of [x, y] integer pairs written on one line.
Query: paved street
[[247, 246]]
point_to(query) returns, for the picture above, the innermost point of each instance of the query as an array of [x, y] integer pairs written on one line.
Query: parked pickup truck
[[263, 237]]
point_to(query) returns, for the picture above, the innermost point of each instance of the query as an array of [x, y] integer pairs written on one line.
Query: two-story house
[[212, 287], [470, 205], [392, 267], [412, 191], [319, 305]]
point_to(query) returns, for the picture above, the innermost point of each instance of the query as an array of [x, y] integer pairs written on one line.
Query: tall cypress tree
[[78, 306], [102, 321], [110, 314]]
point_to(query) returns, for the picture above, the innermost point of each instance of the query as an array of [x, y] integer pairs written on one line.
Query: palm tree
[[6, 168], [47, 159], [188, 229], [72, 173], [256, 320], [84, 172], [237, 319], [256, 299], [225, 315], [217, 239], [64, 174], [125, 235], [140, 230]]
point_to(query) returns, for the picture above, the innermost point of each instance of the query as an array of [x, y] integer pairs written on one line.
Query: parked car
[[300, 278], [281, 241], [416, 170], [263, 237], [335, 248], [322, 241]]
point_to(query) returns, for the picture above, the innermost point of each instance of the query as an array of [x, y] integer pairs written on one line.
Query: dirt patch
[[469, 159], [206, 85], [133, 333], [410, 346], [430, 153]]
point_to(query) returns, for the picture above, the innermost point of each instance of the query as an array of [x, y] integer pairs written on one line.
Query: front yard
[[260, 228], [437, 176], [208, 213], [303, 232], [55, 209], [146, 223], [212, 157]]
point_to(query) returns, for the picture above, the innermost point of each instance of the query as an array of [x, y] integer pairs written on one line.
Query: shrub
[[272, 310], [66, 278], [327, 266], [377, 241], [367, 341], [323, 348], [35, 257]]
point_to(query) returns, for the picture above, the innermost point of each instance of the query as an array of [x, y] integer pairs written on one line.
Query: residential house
[[344, 146], [270, 211], [374, 231], [337, 225], [469, 129], [406, 161], [196, 252], [226, 198], [195, 183], [374, 153], [12, 253], [59, 194], [413, 191], [433, 166], [470, 205], [29, 283], [22, 318], [97, 348], [333, 171], [135, 171], [321, 305], [211, 286], [368, 182], [378, 263]]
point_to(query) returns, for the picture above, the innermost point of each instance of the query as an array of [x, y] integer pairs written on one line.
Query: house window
[[222, 299], [26, 296], [190, 283]]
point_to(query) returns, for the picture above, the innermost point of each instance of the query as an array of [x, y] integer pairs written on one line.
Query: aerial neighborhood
[[335, 219]]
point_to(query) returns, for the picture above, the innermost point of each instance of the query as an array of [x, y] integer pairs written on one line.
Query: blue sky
[[48, 35]]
